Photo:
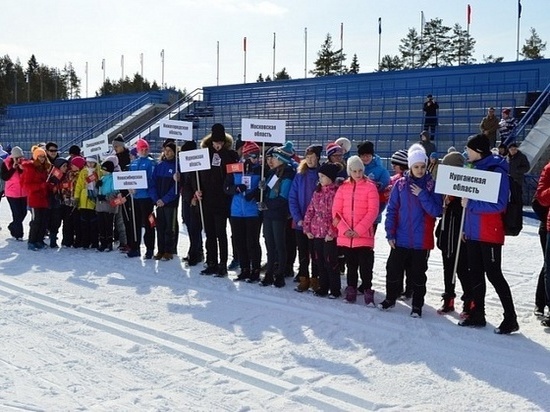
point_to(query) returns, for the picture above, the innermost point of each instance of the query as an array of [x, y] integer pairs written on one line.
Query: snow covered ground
[[89, 331]]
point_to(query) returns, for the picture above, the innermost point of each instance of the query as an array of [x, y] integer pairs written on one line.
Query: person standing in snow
[[12, 171]]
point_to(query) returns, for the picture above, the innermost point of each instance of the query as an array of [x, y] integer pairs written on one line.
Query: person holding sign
[[85, 195], [410, 222], [105, 207], [484, 234], [163, 193], [215, 202], [143, 205]]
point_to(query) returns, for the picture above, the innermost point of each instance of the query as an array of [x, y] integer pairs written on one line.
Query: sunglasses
[[52, 150]]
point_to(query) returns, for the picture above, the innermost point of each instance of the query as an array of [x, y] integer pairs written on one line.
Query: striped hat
[[400, 158]]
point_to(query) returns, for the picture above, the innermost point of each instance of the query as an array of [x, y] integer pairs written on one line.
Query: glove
[[262, 185], [251, 196], [240, 188], [99, 183], [101, 197]]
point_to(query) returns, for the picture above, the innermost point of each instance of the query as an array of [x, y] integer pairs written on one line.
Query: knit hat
[[416, 154], [315, 149], [133, 152], [118, 141], [434, 155], [355, 163], [92, 159], [108, 166], [453, 159], [218, 133], [451, 149], [171, 145], [344, 143], [330, 170], [74, 150], [114, 160], [142, 144], [78, 161], [188, 145], [506, 111], [333, 148], [38, 151], [480, 144], [239, 143], [400, 158], [284, 153], [365, 148], [425, 134], [60, 161], [269, 152], [250, 148], [16, 152]]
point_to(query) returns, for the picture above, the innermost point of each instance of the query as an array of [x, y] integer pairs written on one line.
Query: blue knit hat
[[284, 153]]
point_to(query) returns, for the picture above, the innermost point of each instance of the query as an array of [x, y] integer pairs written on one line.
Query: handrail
[[166, 112], [539, 106]]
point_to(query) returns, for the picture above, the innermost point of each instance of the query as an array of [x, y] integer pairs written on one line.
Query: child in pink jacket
[[354, 211], [318, 226]]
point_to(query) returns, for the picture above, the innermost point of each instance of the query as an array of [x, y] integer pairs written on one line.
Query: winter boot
[[467, 309], [222, 271], [267, 280], [448, 304], [53, 241], [314, 284], [210, 269], [279, 281], [369, 297], [416, 312], [254, 276], [386, 304], [474, 320], [244, 275], [351, 294], [303, 285], [508, 325], [545, 322]]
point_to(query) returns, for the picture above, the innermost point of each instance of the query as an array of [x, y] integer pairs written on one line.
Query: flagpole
[[141, 64], [305, 52], [517, 37], [274, 37], [342, 37], [122, 67], [218, 63], [379, 39], [86, 79], [422, 23], [103, 67], [244, 49], [469, 20], [162, 68]]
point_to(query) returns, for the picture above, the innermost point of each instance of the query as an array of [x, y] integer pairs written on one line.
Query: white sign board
[[130, 180], [95, 146], [263, 130], [176, 129], [469, 183], [194, 160]]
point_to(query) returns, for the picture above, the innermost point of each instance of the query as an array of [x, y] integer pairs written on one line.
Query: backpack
[[512, 217]]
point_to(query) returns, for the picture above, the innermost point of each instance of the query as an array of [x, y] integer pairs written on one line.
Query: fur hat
[[453, 159], [330, 170], [60, 161], [118, 141], [355, 163], [16, 152], [92, 159], [78, 161], [480, 144], [142, 144], [314, 149], [114, 160], [74, 150], [108, 166], [416, 154], [400, 158], [344, 143], [333, 148], [365, 148], [218, 133], [250, 148], [38, 151], [284, 153], [188, 145]]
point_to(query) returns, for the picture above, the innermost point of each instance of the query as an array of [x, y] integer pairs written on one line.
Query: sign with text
[[263, 130], [95, 146], [176, 129], [130, 180], [470, 183], [194, 160]]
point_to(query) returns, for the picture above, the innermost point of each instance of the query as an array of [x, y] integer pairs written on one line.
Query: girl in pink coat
[[354, 211]]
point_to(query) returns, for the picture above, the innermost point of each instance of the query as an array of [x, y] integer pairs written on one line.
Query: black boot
[[244, 275], [210, 269], [508, 325], [448, 303], [267, 280], [254, 276], [279, 281], [222, 271]]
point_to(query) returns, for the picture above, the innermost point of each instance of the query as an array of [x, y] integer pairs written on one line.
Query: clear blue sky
[[79, 31]]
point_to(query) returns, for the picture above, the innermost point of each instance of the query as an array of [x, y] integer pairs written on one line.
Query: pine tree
[[462, 46], [329, 62], [533, 47], [260, 79], [410, 49], [282, 75], [389, 64], [492, 59], [354, 66], [437, 44]]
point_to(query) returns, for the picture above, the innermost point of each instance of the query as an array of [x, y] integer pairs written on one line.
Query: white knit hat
[[416, 154]]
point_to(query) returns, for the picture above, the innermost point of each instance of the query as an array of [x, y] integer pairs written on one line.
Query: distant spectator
[[428, 146], [506, 126], [489, 126], [503, 150], [519, 165], [74, 151], [430, 115]]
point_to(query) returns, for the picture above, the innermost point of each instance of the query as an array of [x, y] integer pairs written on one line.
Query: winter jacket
[[301, 192], [318, 216], [542, 194], [447, 231], [356, 204], [12, 177], [483, 220], [489, 125], [84, 197], [147, 164], [410, 219], [163, 185], [276, 197], [34, 182], [376, 172], [106, 189], [244, 204], [519, 165]]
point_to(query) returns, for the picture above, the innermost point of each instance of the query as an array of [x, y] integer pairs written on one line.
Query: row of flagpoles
[[422, 24]]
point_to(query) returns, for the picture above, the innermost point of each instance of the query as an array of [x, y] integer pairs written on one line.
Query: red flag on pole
[[469, 14]]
